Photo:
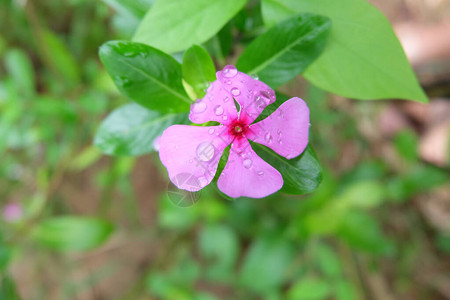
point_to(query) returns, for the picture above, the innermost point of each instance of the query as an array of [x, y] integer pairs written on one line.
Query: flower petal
[[251, 94], [191, 154], [217, 105], [246, 174], [286, 130]]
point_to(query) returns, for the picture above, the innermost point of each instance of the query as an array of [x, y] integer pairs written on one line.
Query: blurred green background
[[76, 224]]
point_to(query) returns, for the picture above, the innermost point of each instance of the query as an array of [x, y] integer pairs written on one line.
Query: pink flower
[[195, 150]]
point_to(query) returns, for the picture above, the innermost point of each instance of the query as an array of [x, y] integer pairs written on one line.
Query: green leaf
[[286, 50], [20, 68], [70, 233], [198, 69], [177, 24], [301, 175], [8, 289], [328, 261], [131, 129], [363, 58], [363, 232], [266, 263], [219, 246], [406, 143], [310, 288], [345, 291], [146, 75]]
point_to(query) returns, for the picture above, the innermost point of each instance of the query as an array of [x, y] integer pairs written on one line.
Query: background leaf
[[286, 49], [131, 129], [363, 59], [198, 69], [185, 23], [71, 233], [146, 75]]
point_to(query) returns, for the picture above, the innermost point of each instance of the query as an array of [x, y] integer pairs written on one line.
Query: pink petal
[[217, 105], [251, 94], [246, 174], [191, 154], [286, 130]]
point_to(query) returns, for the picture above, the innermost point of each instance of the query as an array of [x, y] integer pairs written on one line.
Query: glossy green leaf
[[363, 59], [310, 288], [301, 175], [71, 233], [198, 69], [146, 75], [266, 263], [286, 50], [131, 129], [184, 23]]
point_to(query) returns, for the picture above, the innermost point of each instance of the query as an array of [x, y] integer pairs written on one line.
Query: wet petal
[[251, 94], [246, 174], [191, 154], [217, 105], [286, 130]]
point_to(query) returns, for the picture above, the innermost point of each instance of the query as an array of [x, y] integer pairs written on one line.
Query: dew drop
[[226, 99], [235, 91], [122, 81], [199, 107], [202, 181], [191, 161], [218, 110], [268, 137], [224, 118], [254, 76], [247, 163], [229, 71], [211, 131], [228, 81], [205, 151], [209, 87], [260, 173]]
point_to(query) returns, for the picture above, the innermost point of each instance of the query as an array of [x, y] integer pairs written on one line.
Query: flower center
[[238, 128]]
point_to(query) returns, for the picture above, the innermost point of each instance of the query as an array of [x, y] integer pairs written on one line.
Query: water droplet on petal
[[205, 151], [211, 131], [226, 99], [191, 161], [199, 107], [209, 88], [268, 137], [260, 173], [262, 99], [218, 110], [247, 163], [235, 91], [228, 81], [202, 181], [224, 118], [254, 76], [229, 71]]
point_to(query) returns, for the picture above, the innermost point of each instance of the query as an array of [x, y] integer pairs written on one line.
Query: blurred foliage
[[363, 220]]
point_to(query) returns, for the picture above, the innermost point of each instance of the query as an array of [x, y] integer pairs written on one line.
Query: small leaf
[[131, 129], [265, 264], [301, 175], [363, 58], [146, 75], [20, 68], [286, 50], [70, 233], [219, 246], [310, 288], [198, 69], [177, 24]]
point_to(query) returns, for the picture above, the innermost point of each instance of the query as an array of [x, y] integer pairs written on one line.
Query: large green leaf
[[131, 129], [363, 59], [175, 25], [301, 175], [198, 69], [71, 233], [146, 75], [286, 49]]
